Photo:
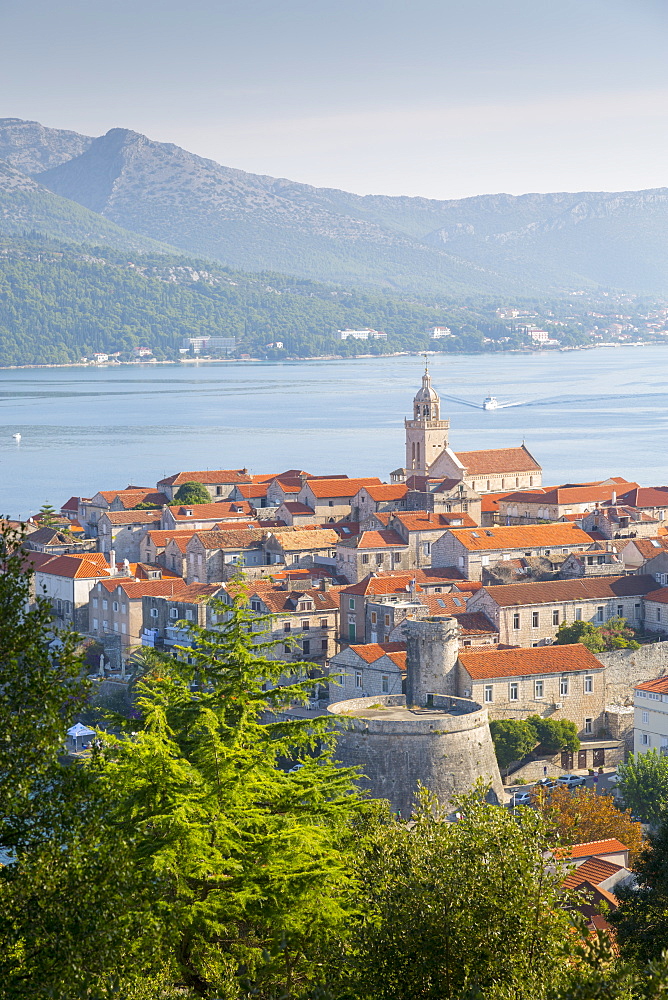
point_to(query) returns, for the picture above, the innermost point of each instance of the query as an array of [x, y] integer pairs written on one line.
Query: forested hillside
[[59, 302]]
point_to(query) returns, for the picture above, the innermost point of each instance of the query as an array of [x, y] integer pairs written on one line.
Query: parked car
[[522, 799], [571, 780], [546, 783]]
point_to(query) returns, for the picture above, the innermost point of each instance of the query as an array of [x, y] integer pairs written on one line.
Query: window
[[538, 689], [306, 625], [589, 684], [190, 616], [365, 558], [256, 606], [645, 718], [578, 614], [600, 611], [154, 612], [427, 548], [534, 619], [387, 620], [589, 727], [513, 691], [620, 610], [358, 679], [324, 622], [555, 617], [563, 686], [351, 631], [396, 557], [636, 611], [658, 614], [287, 627], [351, 603], [379, 557], [374, 617], [385, 683], [95, 623], [105, 626], [173, 612], [644, 739], [114, 606], [306, 646], [95, 602], [219, 491], [516, 620], [489, 693], [123, 627]]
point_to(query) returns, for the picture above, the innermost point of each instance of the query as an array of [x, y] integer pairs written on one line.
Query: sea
[[584, 415]]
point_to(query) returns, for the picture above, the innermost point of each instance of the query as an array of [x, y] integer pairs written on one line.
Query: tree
[[47, 515], [513, 739], [642, 918], [199, 862], [581, 815], [615, 634], [555, 734], [453, 910], [643, 785], [192, 493]]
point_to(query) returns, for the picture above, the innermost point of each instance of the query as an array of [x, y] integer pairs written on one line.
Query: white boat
[[491, 403], [17, 437]]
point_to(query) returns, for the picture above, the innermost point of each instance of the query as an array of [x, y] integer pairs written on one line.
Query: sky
[[437, 98]]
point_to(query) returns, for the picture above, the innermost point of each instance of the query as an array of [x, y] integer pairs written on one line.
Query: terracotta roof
[[160, 538], [594, 870], [444, 604], [372, 651], [648, 496], [212, 511], [293, 507], [130, 498], [587, 493], [323, 489], [71, 504], [90, 566], [426, 521], [498, 460], [131, 516], [524, 536], [49, 536], [393, 491], [594, 847], [216, 477], [280, 601], [253, 491], [233, 538], [377, 540], [194, 592], [483, 664], [440, 574], [489, 502], [658, 686], [650, 547], [304, 539], [591, 588], [399, 583], [472, 623], [136, 589]]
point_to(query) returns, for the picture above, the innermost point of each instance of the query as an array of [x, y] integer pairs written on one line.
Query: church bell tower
[[426, 433]]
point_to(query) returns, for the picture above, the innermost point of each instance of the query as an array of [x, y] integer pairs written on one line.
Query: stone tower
[[432, 647], [426, 433]]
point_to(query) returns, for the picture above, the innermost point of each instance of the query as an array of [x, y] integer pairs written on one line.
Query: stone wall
[[628, 667]]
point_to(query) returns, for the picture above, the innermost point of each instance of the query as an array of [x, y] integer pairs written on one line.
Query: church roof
[[498, 460]]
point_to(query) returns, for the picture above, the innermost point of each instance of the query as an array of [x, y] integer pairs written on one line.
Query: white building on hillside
[[650, 704]]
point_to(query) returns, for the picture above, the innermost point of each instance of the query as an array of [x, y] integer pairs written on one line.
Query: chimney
[[613, 498], [325, 584], [112, 563]]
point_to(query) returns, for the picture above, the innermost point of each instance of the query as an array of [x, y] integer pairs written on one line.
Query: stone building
[[116, 607], [368, 670], [122, 531], [371, 551], [471, 550], [303, 623], [215, 556], [220, 483], [300, 547], [529, 614], [579, 564], [66, 582], [556, 502], [616, 521], [427, 736], [161, 613], [332, 499], [203, 516]]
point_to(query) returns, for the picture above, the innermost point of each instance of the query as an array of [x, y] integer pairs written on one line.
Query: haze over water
[[584, 415]]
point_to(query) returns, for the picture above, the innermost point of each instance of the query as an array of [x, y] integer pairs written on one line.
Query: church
[[429, 457]]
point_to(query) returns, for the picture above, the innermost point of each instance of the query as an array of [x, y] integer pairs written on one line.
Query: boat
[[17, 437], [491, 403]]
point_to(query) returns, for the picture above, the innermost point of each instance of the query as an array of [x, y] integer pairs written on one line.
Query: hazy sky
[[441, 98]]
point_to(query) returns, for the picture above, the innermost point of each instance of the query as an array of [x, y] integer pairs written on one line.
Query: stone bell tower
[[426, 433]]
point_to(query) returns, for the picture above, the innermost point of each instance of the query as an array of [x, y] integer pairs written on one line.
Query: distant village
[[429, 603]]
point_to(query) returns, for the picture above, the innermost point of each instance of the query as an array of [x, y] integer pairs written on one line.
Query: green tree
[[47, 514], [555, 734], [192, 493], [582, 632], [513, 739], [465, 909], [642, 918], [643, 785], [199, 862]]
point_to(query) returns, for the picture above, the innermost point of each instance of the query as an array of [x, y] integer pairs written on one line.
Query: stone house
[[332, 499], [160, 614], [374, 499], [205, 515], [116, 607], [153, 546], [656, 610], [579, 564], [443, 496], [300, 547], [652, 500], [420, 529], [254, 493], [296, 514], [219, 483], [529, 614], [304, 623], [90, 510], [384, 615], [66, 582], [617, 521], [371, 551], [646, 555], [472, 549], [556, 502], [122, 531], [58, 542], [216, 556], [364, 671]]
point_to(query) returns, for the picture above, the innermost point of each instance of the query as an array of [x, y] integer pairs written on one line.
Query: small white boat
[[17, 437], [491, 403]]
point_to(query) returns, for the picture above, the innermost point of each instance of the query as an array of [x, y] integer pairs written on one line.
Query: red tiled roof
[[280, 601], [253, 491], [425, 521], [393, 491], [293, 507], [586, 493], [132, 516], [378, 540], [648, 496], [71, 504], [498, 460], [234, 538], [524, 536], [305, 538], [372, 651], [594, 847], [482, 664], [130, 498], [592, 588], [220, 511], [160, 538], [650, 547], [594, 870], [398, 583], [658, 686], [136, 589], [323, 489], [216, 477], [90, 565]]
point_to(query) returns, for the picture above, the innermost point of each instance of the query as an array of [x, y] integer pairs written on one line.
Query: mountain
[[26, 206], [490, 244]]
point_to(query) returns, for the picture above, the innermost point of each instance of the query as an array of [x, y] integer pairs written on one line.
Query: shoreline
[[325, 357]]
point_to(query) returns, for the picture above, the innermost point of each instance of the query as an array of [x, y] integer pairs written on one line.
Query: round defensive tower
[[429, 735]]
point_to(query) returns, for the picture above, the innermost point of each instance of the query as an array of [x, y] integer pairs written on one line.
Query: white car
[[521, 799], [571, 780]]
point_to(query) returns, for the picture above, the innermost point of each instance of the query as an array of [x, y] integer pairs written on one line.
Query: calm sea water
[[584, 415]]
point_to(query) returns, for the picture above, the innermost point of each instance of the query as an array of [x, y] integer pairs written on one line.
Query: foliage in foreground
[[643, 785]]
